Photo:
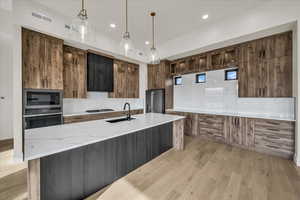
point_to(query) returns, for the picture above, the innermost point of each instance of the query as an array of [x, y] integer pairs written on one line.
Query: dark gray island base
[[79, 173]]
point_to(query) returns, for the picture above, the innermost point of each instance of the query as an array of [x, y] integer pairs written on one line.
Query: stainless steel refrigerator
[[155, 101]]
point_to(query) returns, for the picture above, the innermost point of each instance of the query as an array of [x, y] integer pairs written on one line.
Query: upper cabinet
[[42, 61], [125, 81], [160, 77], [213, 60], [266, 67], [100, 73], [74, 73]]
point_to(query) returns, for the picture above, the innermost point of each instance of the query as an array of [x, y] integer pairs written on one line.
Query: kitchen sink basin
[[120, 120]]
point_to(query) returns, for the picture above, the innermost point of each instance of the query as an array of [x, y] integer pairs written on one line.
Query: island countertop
[[41, 142]]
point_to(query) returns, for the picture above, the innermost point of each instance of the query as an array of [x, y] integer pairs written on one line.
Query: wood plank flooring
[[204, 170], [13, 176], [209, 171]]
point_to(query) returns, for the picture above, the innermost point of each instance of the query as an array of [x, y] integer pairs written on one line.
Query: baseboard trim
[[18, 157], [297, 160]]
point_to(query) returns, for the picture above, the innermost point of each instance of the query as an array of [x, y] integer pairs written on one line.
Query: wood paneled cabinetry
[[211, 127], [126, 80], [160, 77], [42, 61], [239, 131], [275, 137], [74, 73], [266, 67]]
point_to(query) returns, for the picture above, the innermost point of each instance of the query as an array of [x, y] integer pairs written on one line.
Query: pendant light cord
[[126, 16], [153, 29], [82, 5]]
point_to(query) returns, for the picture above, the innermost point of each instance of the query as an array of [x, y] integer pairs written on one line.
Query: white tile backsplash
[[98, 100], [218, 95]]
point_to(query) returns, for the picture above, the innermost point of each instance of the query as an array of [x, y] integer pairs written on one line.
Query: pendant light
[[80, 24], [126, 44], [154, 56]]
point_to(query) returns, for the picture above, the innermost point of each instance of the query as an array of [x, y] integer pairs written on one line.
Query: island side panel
[[33, 179], [178, 134], [78, 173]]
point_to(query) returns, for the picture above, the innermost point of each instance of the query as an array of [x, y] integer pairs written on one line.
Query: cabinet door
[[216, 60], [151, 77], [132, 81], [191, 124], [280, 77], [202, 63], [33, 43], [231, 57], [212, 127], [74, 73], [42, 58], [239, 131], [100, 73], [54, 63], [120, 81], [275, 137]]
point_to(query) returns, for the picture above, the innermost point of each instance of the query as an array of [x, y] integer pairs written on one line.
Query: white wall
[[6, 45], [220, 96], [5, 87], [100, 100]]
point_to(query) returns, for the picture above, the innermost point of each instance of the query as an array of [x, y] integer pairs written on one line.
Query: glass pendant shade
[[126, 44], [81, 29], [154, 56]]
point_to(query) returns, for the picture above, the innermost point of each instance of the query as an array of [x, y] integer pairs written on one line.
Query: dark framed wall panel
[[78, 173]]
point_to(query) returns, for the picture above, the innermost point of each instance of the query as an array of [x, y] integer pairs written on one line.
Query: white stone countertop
[[238, 114], [41, 142], [94, 113]]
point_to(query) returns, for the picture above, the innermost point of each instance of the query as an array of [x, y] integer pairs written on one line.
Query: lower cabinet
[[239, 131], [78, 173], [211, 127], [275, 137]]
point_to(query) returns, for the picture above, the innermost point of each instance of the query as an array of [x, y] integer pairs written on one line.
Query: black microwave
[[38, 101]]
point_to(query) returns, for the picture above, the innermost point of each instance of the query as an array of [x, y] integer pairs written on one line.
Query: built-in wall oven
[[42, 108]]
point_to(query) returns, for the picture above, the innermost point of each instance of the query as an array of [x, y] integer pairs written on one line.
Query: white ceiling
[[174, 17]]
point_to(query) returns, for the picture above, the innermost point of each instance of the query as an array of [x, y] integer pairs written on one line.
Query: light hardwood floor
[[204, 171], [209, 171], [12, 175]]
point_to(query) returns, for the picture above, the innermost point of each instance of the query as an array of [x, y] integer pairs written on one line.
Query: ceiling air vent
[[41, 16]]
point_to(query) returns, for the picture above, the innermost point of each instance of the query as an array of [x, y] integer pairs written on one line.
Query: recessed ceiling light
[[113, 25], [147, 42], [205, 16]]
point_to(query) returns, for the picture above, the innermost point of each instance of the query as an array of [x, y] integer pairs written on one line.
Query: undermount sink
[[120, 119]]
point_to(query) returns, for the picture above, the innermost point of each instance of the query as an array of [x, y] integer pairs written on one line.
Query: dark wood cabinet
[[79, 173], [42, 61], [100, 73], [126, 80], [74, 73]]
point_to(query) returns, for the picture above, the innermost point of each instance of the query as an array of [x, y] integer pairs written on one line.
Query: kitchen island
[[73, 161]]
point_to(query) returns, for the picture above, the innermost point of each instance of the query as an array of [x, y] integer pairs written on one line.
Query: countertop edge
[[38, 156], [231, 114]]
